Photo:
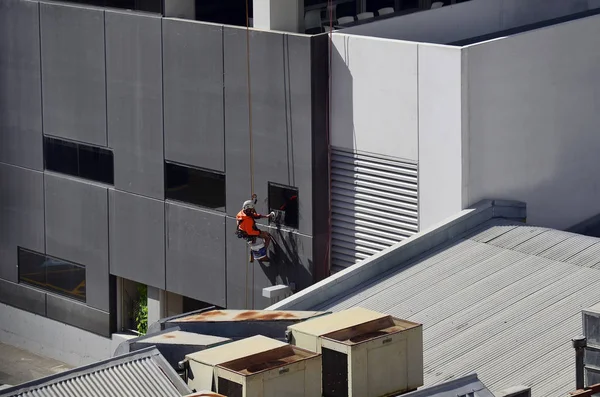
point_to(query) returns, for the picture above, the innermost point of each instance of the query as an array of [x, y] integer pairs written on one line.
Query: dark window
[[80, 160], [195, 186], [283, 200], [155, 6], [52, 274]]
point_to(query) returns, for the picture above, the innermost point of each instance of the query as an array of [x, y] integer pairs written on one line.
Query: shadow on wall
[[285, 264], [341, 97]]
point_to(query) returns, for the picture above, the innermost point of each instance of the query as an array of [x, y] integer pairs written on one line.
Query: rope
[[248, 253]]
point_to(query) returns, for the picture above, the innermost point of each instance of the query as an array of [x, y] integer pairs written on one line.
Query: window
[[52, 274], [284, 199], [195, 186], [80, 160], [138, 5]]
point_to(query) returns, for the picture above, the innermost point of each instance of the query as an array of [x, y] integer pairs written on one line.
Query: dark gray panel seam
[[105, 80], [224, 157], [162, 95], [108, 234], [42, 137], [21, 167]]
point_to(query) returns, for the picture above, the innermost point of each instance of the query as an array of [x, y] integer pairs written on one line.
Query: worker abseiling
[[246, 223]]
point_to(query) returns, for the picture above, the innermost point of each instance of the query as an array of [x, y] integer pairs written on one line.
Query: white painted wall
[[534, 120], [185, 9], [470, 19], [440, 134], [374, 96], [281, 15], [50, 338]]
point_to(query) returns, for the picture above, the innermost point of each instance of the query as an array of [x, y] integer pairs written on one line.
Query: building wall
[[470, 19], [152, 89], [533, 122]]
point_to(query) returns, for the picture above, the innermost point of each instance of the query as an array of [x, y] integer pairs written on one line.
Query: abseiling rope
[[249, 85]]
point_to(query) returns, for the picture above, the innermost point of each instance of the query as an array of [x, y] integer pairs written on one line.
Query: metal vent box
[[202, 364], [284, 371], [306, 334], [591, 325], [364, 353]]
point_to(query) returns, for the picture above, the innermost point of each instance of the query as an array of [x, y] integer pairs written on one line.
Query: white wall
[[440, 134], [470, 19], [180, 9], [282, 15], [374, 96], [534, 122], [50, 338]]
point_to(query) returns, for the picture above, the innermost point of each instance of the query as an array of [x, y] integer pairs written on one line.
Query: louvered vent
[[374, 205]]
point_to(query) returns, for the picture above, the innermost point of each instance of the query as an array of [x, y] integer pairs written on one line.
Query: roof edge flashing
[[402, 252]]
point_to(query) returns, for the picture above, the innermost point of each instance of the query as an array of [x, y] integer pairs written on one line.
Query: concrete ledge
[[402, 253], [23, 297], [78, 315]]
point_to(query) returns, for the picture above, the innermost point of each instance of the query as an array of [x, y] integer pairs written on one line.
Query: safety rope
[[328, 136], [249, 86]]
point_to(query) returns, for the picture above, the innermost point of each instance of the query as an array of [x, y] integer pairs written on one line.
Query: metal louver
[[374, 205]]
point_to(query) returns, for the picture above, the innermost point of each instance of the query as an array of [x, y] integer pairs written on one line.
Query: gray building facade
[[125, 153]]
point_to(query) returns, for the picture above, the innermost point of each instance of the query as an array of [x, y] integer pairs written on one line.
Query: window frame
[[296, 192], [43, 287], [80, 147], [200, 170]]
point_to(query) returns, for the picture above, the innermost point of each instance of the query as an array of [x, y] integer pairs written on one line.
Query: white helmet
[[248, 204]]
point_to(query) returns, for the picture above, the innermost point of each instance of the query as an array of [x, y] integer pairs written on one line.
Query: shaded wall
[[533, 122], [150, 90], [469, 19]]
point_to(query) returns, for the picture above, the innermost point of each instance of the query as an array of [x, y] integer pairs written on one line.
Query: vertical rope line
[[249, 86]]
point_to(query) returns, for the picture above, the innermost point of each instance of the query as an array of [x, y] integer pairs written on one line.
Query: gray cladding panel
[[236, 120], [77, 231], [20, 85], [134, 101], [291, 261], [137, 238], [193, 81], [281, 117], [78, 315], [196, 253], [21, 215], [73, 72], [23, 297]]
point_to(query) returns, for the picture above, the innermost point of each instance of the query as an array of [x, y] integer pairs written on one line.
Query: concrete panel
[[193, 81], [468, 19], [236, 120], [74, 89], [291, 262], [195, 244], [51, 338], [440, 134], [78, 315], [134, 102], [374, 96], [22, 215], [137, 238], [20, 85], [281, 15], [23, 297], [528, 139], [77, 231]]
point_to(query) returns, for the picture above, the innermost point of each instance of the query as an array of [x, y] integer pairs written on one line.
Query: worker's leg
[[266, 237]]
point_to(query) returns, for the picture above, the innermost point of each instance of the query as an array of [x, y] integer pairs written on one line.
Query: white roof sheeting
[[503, 301], [142, 373]]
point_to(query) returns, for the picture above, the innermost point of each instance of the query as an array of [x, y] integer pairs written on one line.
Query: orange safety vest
[[247, 223]]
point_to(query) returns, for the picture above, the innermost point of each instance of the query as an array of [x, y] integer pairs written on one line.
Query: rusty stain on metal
[[587, 392], [168, 336], [248, 315], [205, 394], [264, 315]]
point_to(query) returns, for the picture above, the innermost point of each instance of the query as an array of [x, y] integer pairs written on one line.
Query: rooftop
[[144, 372], [496, 297]]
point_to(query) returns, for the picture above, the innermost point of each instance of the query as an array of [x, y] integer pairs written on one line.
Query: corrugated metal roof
[[503, 301], [457, 387], [142, 373], [184, 338]]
